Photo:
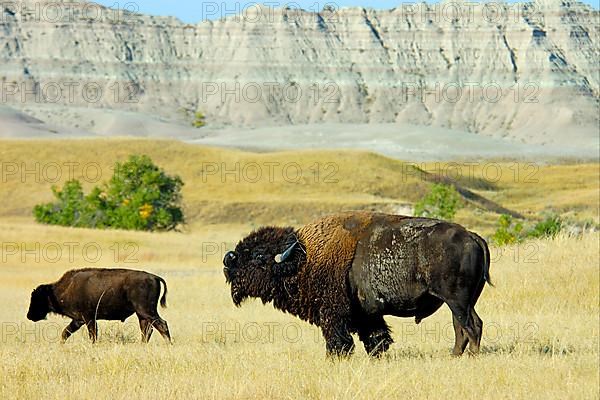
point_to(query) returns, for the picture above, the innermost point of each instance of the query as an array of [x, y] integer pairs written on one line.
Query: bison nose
[[229, 259]]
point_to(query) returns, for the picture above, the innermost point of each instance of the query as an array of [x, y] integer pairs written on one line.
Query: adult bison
[[90, 294], [344, 272]]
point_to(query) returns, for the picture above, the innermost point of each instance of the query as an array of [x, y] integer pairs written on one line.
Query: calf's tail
[[163, 299], [486, 257]]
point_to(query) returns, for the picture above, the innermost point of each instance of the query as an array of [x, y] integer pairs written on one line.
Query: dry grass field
[[541, 321]]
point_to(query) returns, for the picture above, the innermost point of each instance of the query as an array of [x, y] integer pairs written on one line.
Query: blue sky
[[194, 11]]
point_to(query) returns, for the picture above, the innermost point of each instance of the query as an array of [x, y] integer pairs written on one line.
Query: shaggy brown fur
[[330, 248], [350, 269], [90, 294]]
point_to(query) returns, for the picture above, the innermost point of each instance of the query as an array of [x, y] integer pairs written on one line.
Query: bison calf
[[344, 272], [90, 294]]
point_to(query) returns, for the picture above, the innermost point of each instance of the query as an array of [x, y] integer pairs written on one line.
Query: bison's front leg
[[375, 335], [71, 329], [339, 342], [92, 326]]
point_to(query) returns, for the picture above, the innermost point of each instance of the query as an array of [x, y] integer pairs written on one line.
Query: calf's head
[[259, 262], [40, 303]]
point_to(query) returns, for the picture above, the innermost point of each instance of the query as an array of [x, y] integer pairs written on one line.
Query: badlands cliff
[[528, 72]]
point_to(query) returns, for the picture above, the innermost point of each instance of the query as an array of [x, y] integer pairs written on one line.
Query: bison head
[[40, 303], [259, 263]]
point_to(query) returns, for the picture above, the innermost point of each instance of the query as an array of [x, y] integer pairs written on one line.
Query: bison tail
[[163, 299], [486, 257]]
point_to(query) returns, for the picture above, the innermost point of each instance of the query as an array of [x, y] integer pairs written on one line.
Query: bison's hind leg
[[146, 328], [375, 335], [148, 322], [466, 323], [460, 338], [475, 341], [162, 327]]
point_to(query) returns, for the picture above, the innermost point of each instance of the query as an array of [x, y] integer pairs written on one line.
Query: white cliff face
[[524, 71]]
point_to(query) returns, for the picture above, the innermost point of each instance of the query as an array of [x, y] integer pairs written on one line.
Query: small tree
[[68, 208], [139, 196], [508, 231], [442, 201]]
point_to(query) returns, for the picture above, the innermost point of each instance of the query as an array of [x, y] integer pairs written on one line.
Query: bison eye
[[261, 258]]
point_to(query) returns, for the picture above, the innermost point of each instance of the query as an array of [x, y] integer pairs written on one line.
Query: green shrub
[[508, 231], [441, 202], [139, 196], [68, 208], [549, 227], [199, 120]]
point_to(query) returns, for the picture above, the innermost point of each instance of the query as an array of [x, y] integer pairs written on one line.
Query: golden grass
[[540, 341], [541, 321]]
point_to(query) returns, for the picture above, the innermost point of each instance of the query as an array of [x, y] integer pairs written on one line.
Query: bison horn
[[279, 258]]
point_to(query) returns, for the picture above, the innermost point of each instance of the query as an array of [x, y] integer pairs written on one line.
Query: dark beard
[[237, 296]]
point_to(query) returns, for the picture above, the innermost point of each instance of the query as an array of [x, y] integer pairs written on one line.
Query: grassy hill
[[225, 186]]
